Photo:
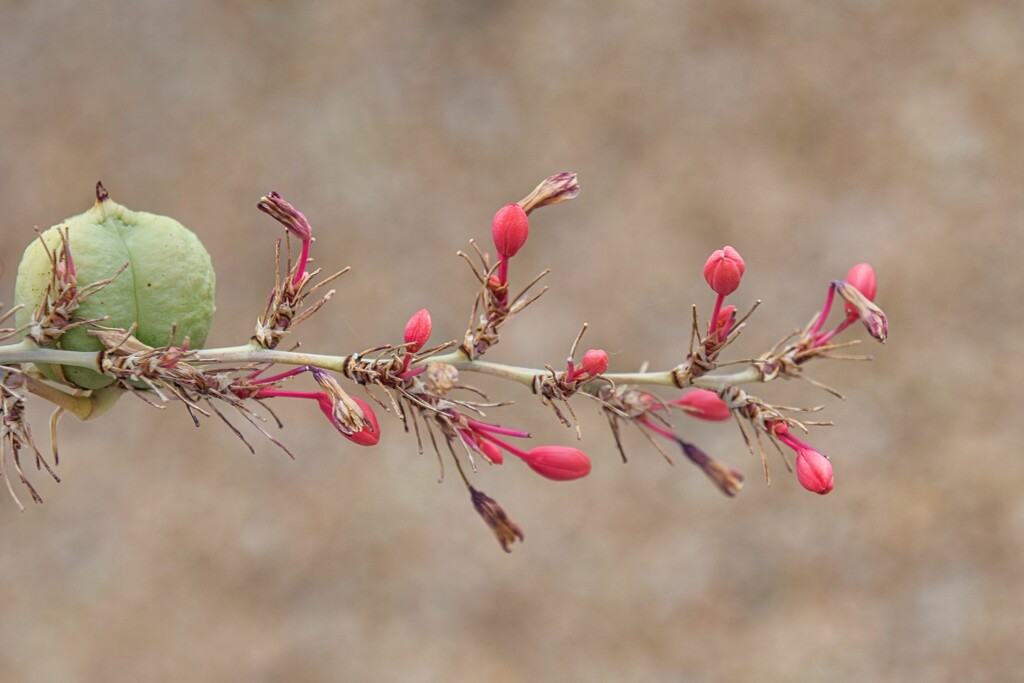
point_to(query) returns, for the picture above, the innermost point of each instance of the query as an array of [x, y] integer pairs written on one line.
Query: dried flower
[[369, 435], [287, 215], [504, 529], [347, 413], [728, 480], [723, 271], [872, 316], [557, 188]]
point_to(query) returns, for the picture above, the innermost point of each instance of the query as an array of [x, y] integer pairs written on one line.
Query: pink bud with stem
[[417, 330], [723, 271], [560, 463], [706, 405], [510, 229], [595, 362], [814, 471]]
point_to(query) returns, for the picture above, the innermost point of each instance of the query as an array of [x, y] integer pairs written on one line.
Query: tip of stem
[[101, 192]]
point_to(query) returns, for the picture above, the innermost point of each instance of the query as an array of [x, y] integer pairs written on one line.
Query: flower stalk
[[424, 386]]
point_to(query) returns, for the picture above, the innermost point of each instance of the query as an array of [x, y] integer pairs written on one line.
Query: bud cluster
[[423, 386]]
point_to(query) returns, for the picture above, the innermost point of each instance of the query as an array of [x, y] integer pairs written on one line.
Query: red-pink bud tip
[[491, 452], [862, 276], [560, 463], [510, 229], [723, 271], [814, 471], [595, 362], [417, 330], [706, 405]]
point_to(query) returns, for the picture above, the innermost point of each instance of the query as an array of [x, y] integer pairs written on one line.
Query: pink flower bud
[[560, 463], [862, 276], [510, 228], [703, 404], [726, 318], [491, 452], [417, 330], [723, 271], [595, 362], [814, 471]]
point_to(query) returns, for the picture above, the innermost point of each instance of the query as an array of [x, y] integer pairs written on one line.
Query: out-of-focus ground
[[809, 135]]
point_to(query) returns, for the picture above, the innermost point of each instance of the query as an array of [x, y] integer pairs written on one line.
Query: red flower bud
[[560, 463], [723, 271], [417, 330], [862, 276], [491, 452], [595, 362], [510, 228], [726, 318], [814, 471], [703, 404]]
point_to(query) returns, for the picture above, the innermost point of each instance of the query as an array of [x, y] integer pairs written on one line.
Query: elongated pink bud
[[595, 362], [723, 271], [510, 229], [417, 330], [862, 276], [703, 404], [560, 463], [814, 471]]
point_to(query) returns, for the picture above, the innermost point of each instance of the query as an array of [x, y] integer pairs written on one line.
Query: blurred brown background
[[809, 135]]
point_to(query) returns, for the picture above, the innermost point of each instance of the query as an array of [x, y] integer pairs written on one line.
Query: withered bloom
[[348, 415], [872, 316], [728, 480], [557, 188], [287, 215], [504, 529]]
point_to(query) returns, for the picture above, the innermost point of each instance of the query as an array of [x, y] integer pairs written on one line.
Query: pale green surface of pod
[[169, 282]]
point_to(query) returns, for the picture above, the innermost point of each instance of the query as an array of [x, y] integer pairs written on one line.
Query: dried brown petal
[[871, 315], [552, 190], [504, 529]]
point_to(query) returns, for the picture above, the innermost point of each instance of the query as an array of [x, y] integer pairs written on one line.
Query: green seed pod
[[168, 284]]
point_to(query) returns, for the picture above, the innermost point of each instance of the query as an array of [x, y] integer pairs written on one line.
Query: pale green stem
[[26, 352]]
